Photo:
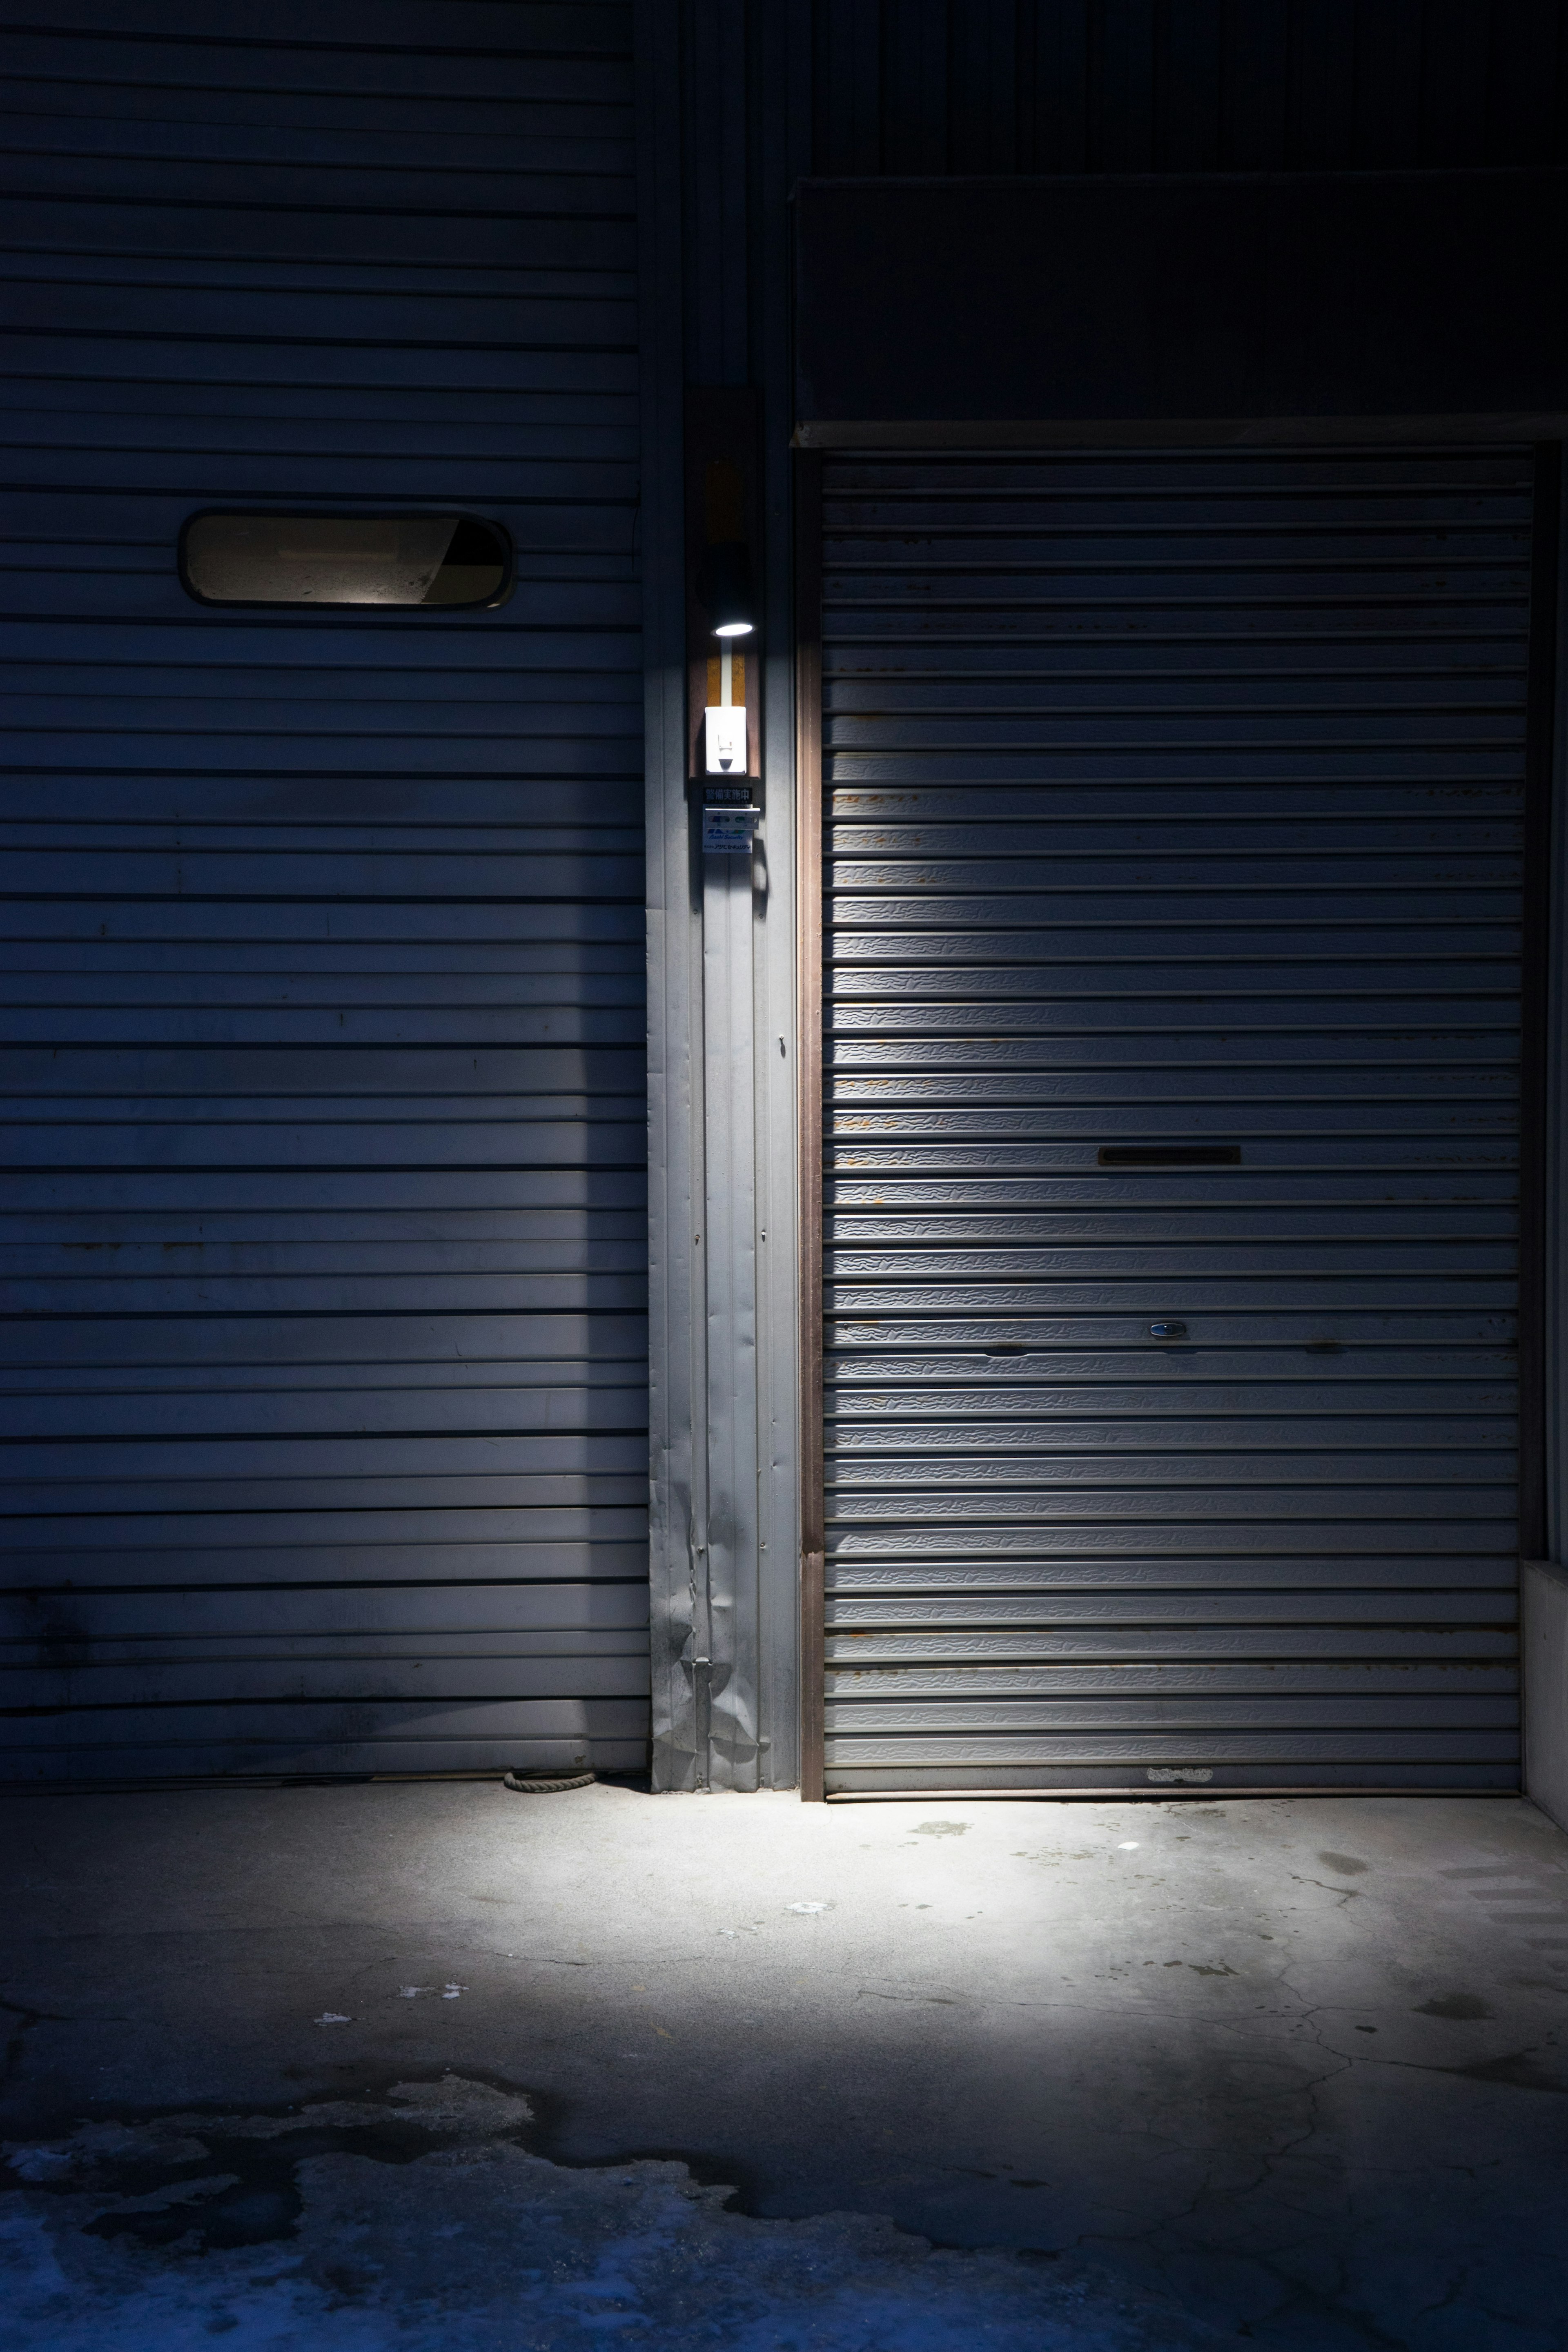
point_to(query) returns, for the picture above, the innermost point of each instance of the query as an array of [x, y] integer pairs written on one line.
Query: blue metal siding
[[1172, 801], [325, 1245]]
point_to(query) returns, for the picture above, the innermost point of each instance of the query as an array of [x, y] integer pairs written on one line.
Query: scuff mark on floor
[[15, 2042]]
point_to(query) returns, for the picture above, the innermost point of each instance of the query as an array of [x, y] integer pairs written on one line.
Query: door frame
[[808, 1087], [1535, 963]]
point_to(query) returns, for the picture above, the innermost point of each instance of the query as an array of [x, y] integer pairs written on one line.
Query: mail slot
[[1170, 1155]]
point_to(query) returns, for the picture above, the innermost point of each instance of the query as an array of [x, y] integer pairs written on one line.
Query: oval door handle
[[1167, 1331]]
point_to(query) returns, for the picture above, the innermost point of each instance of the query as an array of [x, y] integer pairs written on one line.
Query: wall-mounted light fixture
[[720, 426], [724, 585]]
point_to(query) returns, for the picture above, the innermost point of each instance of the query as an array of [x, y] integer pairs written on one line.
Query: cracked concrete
[[1295, 2065]]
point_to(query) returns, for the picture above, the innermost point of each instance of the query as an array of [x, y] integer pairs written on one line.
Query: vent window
[[278, 558]]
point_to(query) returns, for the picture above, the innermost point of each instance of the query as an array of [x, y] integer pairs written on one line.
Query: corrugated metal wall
[[323, 935], [1002, 86], [1173, 801]]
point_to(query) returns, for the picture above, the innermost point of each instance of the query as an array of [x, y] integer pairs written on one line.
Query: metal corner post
[[674, 936], [723, 1224], [721, 428]]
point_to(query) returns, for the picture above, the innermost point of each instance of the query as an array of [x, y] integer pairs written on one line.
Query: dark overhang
[[1224, 308]]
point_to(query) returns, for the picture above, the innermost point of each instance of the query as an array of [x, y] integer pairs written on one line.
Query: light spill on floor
[[1295, 2069]]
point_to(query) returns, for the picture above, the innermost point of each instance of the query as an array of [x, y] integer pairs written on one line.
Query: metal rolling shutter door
[[1172, 801], [325, 1258]]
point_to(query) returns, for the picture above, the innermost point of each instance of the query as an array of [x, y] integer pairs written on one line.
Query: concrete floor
[[1294, 2069]]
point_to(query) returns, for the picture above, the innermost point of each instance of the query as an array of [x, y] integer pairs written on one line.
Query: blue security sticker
[[727, 831]]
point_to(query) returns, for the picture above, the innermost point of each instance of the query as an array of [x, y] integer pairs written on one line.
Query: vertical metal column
[[721, 942], [726, 1665], [723, 1661], [674, 971]]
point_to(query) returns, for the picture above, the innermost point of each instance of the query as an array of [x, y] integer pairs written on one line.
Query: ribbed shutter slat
[[1172, 801]]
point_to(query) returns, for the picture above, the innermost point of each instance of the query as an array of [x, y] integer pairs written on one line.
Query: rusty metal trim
[[808, 1073]]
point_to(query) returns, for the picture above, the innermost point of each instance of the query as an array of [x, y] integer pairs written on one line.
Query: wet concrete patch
[[421, 2218], [213, 2182]]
